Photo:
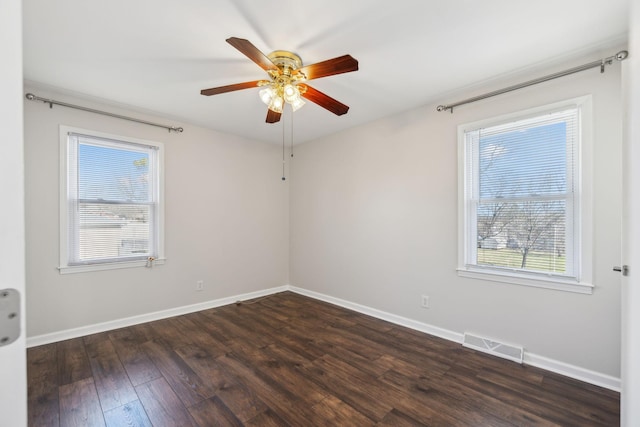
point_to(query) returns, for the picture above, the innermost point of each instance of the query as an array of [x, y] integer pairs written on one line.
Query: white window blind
[[112, 197], [521, 195]]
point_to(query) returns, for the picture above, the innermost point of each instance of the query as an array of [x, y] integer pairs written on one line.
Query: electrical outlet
[[199, 285], [425, 301]]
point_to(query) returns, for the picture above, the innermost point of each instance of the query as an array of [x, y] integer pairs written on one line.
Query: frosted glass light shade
[[276, 104], [266, 95], [275, 97], [297, 104], [291, 93]]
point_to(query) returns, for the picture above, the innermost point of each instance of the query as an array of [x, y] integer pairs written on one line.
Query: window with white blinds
[[521, 198], [111, 209]]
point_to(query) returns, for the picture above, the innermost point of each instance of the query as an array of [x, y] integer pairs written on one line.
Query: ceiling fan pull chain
[[292, 134], [283, 177]]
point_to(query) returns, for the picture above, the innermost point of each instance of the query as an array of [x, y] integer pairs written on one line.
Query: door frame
[[13, 365], [630, 352]]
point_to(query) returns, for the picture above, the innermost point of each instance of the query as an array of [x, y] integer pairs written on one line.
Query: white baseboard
[[571, 371], [383, 315], [148, 317], [556, 366]]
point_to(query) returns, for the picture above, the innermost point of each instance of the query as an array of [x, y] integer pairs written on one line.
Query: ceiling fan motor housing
[[284, 60]]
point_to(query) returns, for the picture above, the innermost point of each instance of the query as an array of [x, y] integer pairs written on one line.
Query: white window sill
[[70, 269], [516, 278]]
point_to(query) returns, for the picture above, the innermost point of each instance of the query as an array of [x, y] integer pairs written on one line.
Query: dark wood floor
[[290, 360]]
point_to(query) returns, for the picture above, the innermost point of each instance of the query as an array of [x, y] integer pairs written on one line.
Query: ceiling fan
[[287, 77]]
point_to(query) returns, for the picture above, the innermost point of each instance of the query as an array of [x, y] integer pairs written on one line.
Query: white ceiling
[[158, 54]]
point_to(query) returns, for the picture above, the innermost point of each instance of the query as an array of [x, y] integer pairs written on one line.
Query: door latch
[[624, 269]]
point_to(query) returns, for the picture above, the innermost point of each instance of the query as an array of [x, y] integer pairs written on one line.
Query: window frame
[[65, 267], [582, 216]]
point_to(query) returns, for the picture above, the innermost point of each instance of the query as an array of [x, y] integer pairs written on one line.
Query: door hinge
[[9, 316]]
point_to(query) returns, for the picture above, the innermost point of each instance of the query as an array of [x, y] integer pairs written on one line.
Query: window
[[111, 207], [522, 198]]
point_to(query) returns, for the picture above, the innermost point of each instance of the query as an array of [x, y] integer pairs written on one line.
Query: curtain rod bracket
[[620, 56]]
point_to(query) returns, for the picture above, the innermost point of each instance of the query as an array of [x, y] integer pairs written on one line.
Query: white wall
[[374, 222], [13, 386], [226, 221]]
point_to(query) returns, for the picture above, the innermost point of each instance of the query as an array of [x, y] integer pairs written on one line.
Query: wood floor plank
[[277, 309], [95, 338], [215, 331], [396, 418], [143, 332], [251, 318], [413, 370], [266, 419], [479, 361], [235, 330], [423, 354], [314, 322], [512, 407], [213, 413], [42, 380], [163, 407], [291, 302], [580, 391], [139, 367], [378, 391], [300, 341], [289, 360], [552, 398], [374, 368], [188, 386], [199, 336], [166, 331], [73, 363], [275, 364], [357, 344], [281, 401], [349, 388], [334, 412], [131, 414], [332, 315], [236, 396], [111, 380], [79, 404], [263, 315], [425, 393]]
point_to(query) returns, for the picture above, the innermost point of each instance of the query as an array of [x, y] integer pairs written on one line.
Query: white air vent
[[500, 349]]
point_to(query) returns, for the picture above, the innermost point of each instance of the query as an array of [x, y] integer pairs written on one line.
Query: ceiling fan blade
[[330, 67], [273, 117], [253, 53], [325, 101], [230, 88]]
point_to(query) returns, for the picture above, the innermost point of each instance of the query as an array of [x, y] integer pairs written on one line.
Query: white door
[[630, 410], [13, 383]]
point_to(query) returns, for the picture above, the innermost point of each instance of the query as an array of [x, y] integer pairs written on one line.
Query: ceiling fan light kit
[[286, 77]]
